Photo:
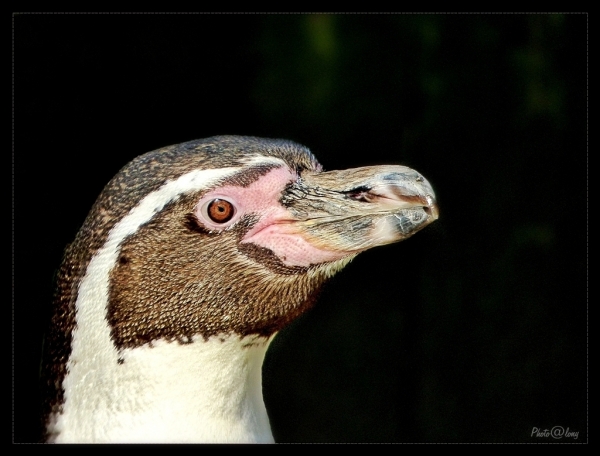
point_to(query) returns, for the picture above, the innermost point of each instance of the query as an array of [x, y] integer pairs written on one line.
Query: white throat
[[204, 391]]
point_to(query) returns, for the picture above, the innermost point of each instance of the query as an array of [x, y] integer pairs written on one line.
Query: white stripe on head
[[255, 160]]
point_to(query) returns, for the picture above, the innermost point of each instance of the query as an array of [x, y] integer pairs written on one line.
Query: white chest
[[205, 391]]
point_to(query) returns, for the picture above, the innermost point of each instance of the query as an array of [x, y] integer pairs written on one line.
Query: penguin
[[191, 260]]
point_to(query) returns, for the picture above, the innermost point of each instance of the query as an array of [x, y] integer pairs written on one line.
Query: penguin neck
[[164, 391], [202, 391]]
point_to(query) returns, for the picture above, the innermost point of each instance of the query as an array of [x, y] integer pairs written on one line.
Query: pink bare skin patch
[[289, 244], [276, 229]]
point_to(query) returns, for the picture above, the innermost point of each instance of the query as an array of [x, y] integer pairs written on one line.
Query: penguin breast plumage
[[192, 258]]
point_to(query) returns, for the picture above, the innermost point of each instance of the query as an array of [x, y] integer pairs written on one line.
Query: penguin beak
[[355, 209]]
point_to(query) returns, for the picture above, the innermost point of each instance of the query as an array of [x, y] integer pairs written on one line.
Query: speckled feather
[[137, 179]]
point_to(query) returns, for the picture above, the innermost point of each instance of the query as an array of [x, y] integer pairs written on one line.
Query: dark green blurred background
[[475, 330]]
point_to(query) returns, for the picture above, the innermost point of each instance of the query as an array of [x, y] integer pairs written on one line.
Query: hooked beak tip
[[432, 208]]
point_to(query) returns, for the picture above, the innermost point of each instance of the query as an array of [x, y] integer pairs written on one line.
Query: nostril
[[359, 194], [427, 210]]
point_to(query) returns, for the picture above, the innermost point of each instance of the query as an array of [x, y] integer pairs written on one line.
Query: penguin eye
[[217, 212], [220, 210]]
